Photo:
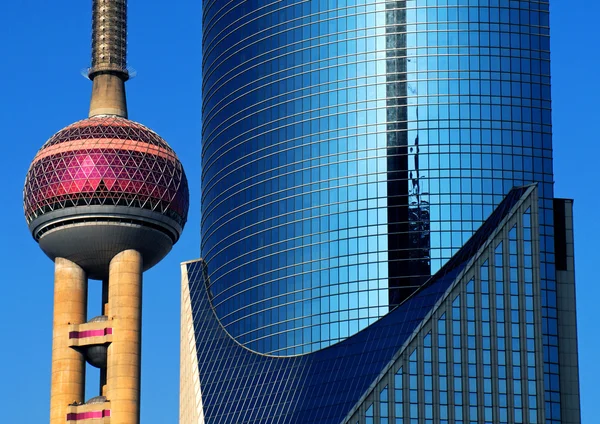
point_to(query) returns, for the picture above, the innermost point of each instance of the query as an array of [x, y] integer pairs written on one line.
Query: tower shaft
[[75, 341], [68, 365], [108, 96], [109, 58]]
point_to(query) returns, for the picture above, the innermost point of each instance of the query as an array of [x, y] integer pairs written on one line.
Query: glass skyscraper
[[350, 150]]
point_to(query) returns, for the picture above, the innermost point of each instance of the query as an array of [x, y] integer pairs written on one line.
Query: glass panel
[[472, 344], [457, 360], [501, 382], [428, 377], [398, 399], [369, 415], [486, 343], [384, 413], [413, 387], [443, 369]]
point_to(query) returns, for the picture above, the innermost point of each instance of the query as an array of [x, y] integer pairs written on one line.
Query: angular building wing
[[465, 347]]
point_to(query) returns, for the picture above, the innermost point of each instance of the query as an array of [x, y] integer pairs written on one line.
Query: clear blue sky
[[45, 43]]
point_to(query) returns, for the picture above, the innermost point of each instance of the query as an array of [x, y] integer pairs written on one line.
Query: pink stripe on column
[[89, 333], [88, 415]]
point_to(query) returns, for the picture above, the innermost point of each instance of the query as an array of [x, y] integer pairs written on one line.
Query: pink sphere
[[99, 170]]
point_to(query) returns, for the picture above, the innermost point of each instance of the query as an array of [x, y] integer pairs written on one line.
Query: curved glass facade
[[350, 148]]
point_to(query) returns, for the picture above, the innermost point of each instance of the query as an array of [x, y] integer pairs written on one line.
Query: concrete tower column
[[68, 365], [125, 313], [109, 58], [108, 96]]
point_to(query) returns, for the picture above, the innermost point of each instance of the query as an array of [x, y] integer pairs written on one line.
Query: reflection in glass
[[348, 152]]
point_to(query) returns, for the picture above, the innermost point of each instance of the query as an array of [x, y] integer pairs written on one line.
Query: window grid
[[491, 347], [471, 353], [297, 152], [398, 397], [457, 368]]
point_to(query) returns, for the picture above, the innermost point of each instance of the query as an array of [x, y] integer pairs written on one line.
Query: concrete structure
[[106, 198], [190, 397]]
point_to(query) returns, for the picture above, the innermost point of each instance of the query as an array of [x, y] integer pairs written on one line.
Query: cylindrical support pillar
[[123, 365], [68, 365]]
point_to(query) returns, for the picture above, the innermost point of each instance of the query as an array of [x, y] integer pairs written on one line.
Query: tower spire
[[109, 58]]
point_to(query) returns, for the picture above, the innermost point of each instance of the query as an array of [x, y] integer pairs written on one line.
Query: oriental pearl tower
[[106, 198]]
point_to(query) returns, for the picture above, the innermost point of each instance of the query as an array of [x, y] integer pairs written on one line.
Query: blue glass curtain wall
[[350, 148]]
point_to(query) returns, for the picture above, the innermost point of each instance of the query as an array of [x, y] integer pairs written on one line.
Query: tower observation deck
[[106, 198]]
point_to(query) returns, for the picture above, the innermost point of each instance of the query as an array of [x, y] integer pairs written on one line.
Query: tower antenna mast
[[109, 58]]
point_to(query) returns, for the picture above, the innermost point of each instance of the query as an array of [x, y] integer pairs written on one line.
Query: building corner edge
[[190, 398], [567, 314]]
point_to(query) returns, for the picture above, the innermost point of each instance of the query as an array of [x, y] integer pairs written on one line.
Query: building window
[[527, 255], [398, 402], [515, 323], [471, 353], [443, 369], [428, 378], [486, 343], [413, 387], [457, 370], [502, 378], [370, 415], [384, 413]]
